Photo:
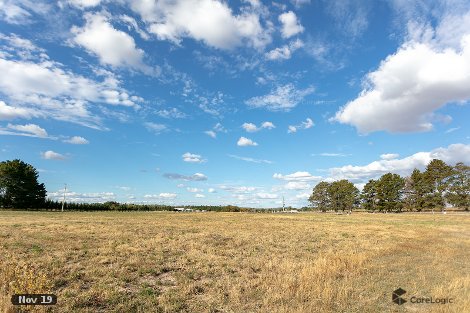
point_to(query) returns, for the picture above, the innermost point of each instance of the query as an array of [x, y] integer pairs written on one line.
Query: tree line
[[20, 189], [439, 185]]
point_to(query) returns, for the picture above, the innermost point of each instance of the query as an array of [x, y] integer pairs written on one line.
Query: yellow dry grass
[[234, 262]]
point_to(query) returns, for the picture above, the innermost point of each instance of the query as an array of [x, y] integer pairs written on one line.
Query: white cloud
[[211, 190], [84, 3], [77, 140], [194, 177], [171, 113], [218, 128], [198, 195], [297, 185], [283, 98], [389, 156], [359, 174], [303, 196], [249, 159], [291, 129], [51, 155], [211, 133], [12, 13], [264, 195], [210, 21], [299, 3], [93, 197], [9, 112], [32, 130], [450, 130], [192, 158], [297, 177], [268, 125], [409, 86], [155, 128], [113, 47], [191, 189], [251, 128], [132, 24], [244, 142], [284, 52], [38, 87], [238, 189], [350, 16], [290, 25], [163, 195], [308, 123]]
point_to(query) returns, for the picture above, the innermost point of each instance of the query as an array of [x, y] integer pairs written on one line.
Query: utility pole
[[283, 204], [63, 201]]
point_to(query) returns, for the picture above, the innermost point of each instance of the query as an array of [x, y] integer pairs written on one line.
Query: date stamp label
[[34, 299]]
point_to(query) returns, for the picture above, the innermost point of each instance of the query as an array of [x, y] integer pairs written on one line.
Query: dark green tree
[[320, 197], [19, 186], [343, 194], [459, 187], [369, 196], [420, 192], [389, 192], [436, 178]]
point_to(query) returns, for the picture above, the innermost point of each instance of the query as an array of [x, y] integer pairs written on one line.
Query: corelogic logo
[[396, 296]]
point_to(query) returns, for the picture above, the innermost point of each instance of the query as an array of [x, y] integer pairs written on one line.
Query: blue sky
[[230, 102]]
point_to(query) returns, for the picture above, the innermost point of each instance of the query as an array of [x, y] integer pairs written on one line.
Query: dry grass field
[[234, 262]]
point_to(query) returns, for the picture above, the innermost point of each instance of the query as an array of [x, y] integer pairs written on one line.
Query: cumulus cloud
[[297, 177], [194, 177], [163, 195], [389, 156], [9, 112], [199, 195], [308, 123], [283, 98], [403, 94], [209, 21], [51, 155], [285, 52], [28, 130], [297, 185], [77, 140], [290, 24], [92, 197], [265, 195], [358, 174], [113, 47], [238, 189], [192, 189], [244, 142], [251, 128], [192, 158], [40, 88]]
